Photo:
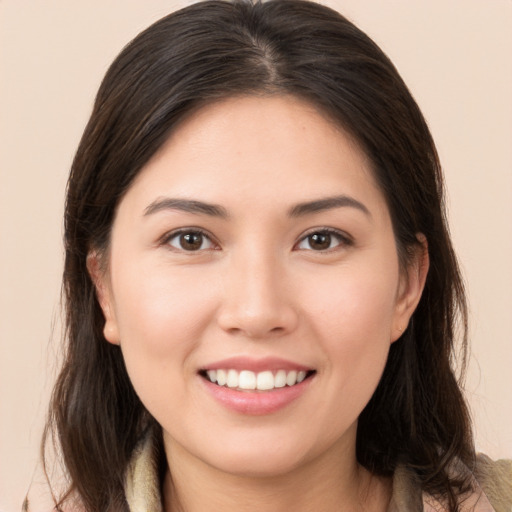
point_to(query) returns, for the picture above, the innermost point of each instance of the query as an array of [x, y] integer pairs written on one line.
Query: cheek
[[161, 317], [358, 302], [158, 310], [353, 319]]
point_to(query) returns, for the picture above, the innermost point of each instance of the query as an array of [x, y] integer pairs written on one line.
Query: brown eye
[[190, 241], [319, 241], [323, 240]]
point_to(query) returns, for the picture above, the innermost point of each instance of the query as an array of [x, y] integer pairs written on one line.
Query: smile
[[256, 386], [247, 380]]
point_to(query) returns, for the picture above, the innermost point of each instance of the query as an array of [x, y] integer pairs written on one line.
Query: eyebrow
[[327, 203], [186, 205], [214, 210]]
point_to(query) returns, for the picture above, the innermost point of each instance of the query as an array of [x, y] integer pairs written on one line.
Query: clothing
[[492, 482]]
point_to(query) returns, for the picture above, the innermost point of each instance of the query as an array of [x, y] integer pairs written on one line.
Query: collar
[[143, 494]]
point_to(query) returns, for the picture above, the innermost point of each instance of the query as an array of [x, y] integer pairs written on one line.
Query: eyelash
[[343, 239], [166, 239]]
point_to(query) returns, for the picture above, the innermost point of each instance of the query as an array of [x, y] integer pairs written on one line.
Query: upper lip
[[255, 364]]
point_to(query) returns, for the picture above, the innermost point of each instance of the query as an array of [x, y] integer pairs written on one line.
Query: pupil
[[320, 241], [191, 241]]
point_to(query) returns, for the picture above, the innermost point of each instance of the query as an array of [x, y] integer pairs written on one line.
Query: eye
[[190, 241], [323, 240]]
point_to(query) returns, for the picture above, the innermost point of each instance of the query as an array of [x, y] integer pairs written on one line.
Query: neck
[[328, 483]]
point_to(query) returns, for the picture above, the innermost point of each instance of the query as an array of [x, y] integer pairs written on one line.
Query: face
[[254, 286]]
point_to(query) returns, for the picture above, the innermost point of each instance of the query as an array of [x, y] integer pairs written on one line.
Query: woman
[[261, 291]]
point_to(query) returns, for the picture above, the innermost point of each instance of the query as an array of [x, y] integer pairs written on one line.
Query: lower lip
[[256, 403]]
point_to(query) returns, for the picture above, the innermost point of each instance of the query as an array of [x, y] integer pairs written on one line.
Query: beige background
[[456, 56]]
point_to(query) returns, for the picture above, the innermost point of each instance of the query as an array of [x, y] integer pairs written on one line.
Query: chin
[[259, 463]]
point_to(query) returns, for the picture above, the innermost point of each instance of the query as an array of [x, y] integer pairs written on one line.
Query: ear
[[412, 282], [101, 281]]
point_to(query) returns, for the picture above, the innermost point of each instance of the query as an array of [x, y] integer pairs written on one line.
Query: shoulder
[[492, 488], [495, 479]]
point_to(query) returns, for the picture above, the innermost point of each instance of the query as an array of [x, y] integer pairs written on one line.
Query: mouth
[[248, 380], [256, 386]]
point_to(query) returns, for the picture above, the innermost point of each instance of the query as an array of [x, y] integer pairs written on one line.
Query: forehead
[[270, 148]]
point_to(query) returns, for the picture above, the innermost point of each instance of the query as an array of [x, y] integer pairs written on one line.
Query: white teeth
[[291, 378], [247, 380], [222, 377], [280, 379], [262, 381], [232, 380]]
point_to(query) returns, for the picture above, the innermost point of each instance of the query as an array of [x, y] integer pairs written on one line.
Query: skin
[[258, 287]]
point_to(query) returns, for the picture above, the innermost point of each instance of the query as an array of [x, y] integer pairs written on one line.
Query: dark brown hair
[[214, 50]]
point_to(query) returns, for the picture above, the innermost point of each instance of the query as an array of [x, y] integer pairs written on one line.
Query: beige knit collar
[[143, 494]]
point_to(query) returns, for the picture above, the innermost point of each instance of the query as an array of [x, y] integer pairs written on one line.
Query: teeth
[[291, 378], [280, 379], [247, 380], [222, 377], [232, 381], [262, 381]]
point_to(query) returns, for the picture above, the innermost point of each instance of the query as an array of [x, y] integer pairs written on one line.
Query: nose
[[257, 300]]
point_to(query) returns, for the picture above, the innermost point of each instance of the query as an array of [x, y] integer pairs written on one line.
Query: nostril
[[261, 320]]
